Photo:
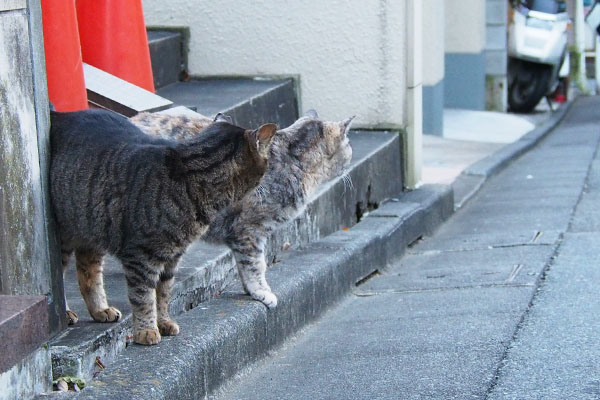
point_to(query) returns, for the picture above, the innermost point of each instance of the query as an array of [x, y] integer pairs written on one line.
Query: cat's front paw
[[147, 337], [109, 314], [168, 328], [72, 318], [266, 297]]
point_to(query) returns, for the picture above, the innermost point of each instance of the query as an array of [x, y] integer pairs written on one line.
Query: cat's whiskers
[[260, 192], [347, 179], [350, 181]]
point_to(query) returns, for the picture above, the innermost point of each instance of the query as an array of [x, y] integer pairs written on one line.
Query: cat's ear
[[260, 139], [311, 114], [345, 125], [174, 164], [220, 117]]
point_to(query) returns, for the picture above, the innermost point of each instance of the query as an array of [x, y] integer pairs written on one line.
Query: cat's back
[[100, 162], [85, 142], [95, 129]]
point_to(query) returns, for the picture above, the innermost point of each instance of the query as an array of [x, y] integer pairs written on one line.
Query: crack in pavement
[[370, 293]]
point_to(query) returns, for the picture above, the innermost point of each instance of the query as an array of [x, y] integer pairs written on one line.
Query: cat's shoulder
[[92, 118], [98, 125], [221, 133]]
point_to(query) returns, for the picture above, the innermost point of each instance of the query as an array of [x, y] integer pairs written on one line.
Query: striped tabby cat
[[300, 158], [143, 199]]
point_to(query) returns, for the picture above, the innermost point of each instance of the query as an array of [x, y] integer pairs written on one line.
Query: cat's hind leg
[[252, 270], [142, 279], [166, 325], [91, 284], [72, 318]]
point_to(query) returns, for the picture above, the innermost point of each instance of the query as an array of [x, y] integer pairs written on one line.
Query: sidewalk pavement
[[500, 303], [470, 136]]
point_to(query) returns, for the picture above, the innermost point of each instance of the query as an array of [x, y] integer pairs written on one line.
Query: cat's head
[[222, 146], [320, 148]]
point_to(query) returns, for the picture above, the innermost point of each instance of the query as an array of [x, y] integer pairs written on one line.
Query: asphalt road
[[501, 303]]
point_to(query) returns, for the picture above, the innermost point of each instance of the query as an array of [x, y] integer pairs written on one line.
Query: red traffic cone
[[66, 86], [113, 39]]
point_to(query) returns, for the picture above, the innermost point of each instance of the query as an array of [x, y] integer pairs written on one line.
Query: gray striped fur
[[301, 157], [143, 199]]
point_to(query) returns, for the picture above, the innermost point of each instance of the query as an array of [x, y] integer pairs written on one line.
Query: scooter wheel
[[527, 90]]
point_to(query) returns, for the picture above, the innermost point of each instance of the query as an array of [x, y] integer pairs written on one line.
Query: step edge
[[280, 84]]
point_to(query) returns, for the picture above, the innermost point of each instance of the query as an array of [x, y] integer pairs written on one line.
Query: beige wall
[[465, 26], [433, 41], [350, 55]]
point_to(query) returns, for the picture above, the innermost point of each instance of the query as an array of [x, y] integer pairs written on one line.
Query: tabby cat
[[143, 199], [300, 158]]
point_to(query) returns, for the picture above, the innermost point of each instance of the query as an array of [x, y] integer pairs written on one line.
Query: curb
[[206, 270], [222, 336], [468, 183]]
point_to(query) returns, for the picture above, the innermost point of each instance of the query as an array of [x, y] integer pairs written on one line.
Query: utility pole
[[578, 49], [597, 62], [413, 145]]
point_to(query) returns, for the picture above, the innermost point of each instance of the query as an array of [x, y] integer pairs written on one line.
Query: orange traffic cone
[[66, 86], [113, 38]]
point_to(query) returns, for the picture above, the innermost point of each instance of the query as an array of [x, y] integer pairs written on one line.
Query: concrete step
[[25, 361], [227, 333], [23, 327], [206, 271], [167, 55], [250, 102]]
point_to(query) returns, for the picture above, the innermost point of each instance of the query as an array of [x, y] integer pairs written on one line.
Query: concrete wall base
[[495, 93], [28, 377], [433, 109]]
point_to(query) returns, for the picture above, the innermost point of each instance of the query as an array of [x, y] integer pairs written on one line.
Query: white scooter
[[537, 48]]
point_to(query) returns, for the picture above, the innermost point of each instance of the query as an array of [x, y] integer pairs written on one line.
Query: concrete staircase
[[205, 270], [249, 101]]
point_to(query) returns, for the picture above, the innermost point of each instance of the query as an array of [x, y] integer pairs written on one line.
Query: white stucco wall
[[350, 55], [433, 41], [465, 26]]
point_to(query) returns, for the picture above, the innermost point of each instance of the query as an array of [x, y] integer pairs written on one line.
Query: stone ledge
[[166, 55], [108, 91], [9, 5], [250, 102], [28, 377], [23, 327], [225, 334]]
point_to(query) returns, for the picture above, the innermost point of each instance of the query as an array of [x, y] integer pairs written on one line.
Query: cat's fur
[[117, 190], [300, 158], [176, 127]]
